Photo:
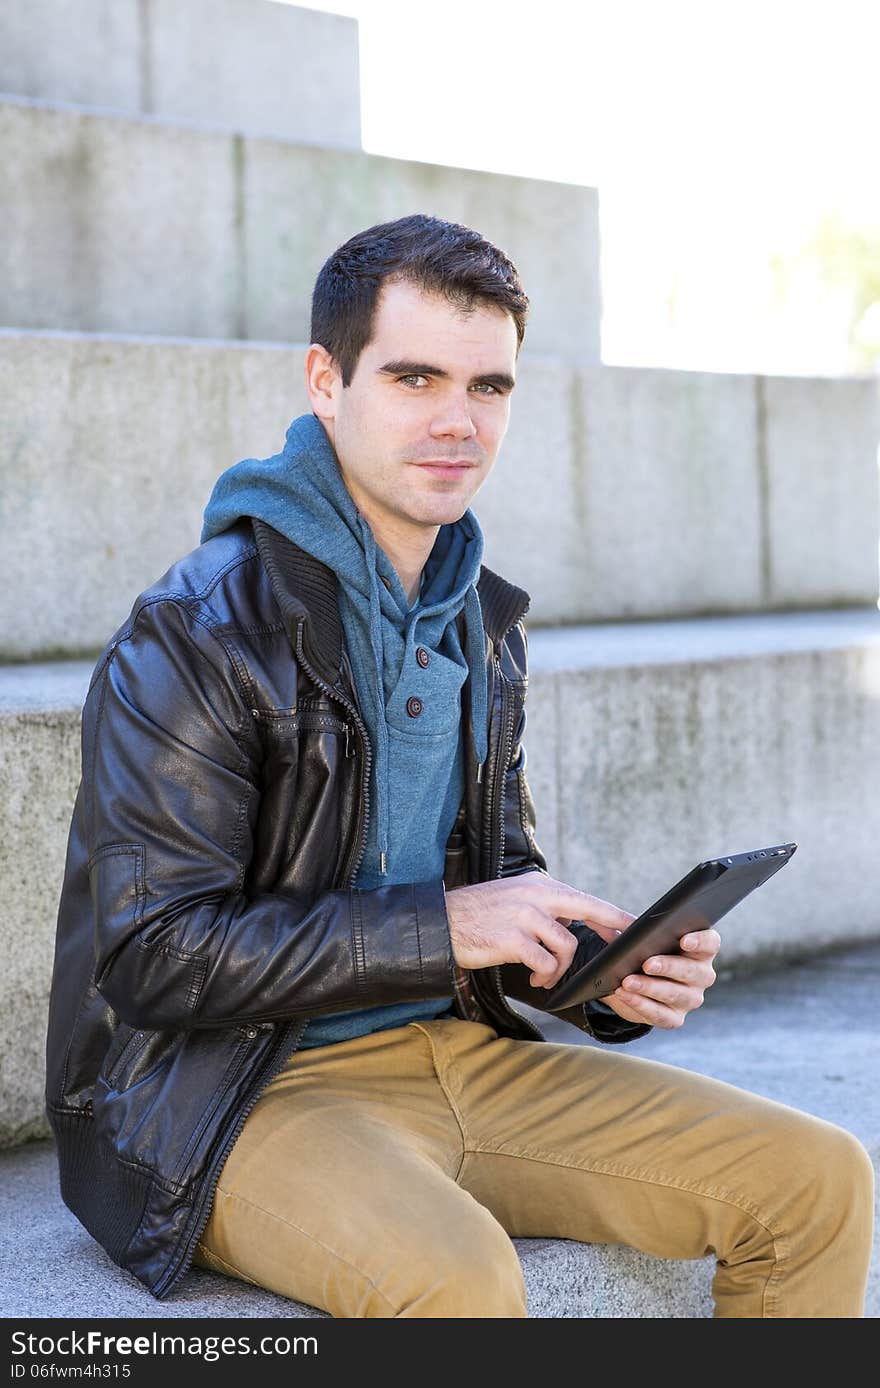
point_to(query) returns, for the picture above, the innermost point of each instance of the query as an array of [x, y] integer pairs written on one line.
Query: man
[[302, 884]]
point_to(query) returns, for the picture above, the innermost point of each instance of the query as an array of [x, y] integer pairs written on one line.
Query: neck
[[407, 548]]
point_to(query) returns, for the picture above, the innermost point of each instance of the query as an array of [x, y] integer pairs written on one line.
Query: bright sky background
[[717, 135]]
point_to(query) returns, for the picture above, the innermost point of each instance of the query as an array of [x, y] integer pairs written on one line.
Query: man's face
[[419, 427]]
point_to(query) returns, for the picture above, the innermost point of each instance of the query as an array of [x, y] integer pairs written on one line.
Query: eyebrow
[[500, 379]]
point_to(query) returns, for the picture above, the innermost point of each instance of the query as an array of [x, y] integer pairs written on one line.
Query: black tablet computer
[[707, 893]]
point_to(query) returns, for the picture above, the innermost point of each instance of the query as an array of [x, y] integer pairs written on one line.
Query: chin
[[446, 513]]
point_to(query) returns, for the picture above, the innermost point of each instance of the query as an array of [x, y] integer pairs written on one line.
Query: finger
[[543, 964], [547, 970], [697, 972], [702, 943], [638, 1008], [561, 900], [558, 946], [682, 997]]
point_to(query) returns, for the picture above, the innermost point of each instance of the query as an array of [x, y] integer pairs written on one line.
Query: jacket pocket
[[290, 722], [116, 879], [124, 1048], [164, 1098]]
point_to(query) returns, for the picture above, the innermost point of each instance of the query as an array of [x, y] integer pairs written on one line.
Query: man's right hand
[[525, 920]]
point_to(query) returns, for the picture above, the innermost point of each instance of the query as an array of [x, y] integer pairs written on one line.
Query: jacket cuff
[[603, 1025], [608, 1027], [401, 942]]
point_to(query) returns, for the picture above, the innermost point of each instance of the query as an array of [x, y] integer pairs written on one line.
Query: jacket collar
[[305, 590]]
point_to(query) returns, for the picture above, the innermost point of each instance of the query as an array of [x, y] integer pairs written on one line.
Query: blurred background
[[688, 489]]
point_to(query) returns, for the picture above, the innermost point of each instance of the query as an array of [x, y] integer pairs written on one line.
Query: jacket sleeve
[[171, 780], [522, 854]]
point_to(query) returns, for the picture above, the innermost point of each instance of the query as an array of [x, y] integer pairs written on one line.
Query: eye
[[410, 381], [487, 387]]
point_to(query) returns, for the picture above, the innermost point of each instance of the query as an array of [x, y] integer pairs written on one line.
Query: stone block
[[83, 51], [300, 203], [823, 499], [109, 449], [690, 740], [668, 466], [39, 773], [247, 65], [628, 492], [115, 225]]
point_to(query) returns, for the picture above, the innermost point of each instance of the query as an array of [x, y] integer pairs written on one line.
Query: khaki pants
[[384, 1176]]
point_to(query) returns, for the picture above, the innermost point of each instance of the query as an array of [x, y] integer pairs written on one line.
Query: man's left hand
[[670, 985]]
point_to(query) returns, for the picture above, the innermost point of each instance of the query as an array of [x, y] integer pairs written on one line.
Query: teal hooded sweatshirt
[[408, 665]]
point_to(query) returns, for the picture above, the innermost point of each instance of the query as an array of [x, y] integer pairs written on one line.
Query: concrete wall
[[618, 492], [109, 449], [650, 493], [246, 65], [646, 753], [39, 773], [142, 226], [822, 515]]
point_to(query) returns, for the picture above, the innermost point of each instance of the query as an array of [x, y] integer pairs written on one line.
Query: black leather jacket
[[207, 909]]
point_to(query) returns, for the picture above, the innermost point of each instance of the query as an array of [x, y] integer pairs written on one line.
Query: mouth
[[443, 468]]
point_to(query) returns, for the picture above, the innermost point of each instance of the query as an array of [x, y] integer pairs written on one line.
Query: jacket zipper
[[497, 809], [359, 840], [233, 1068], [495, 815], [181, 1263], [134, 1043]]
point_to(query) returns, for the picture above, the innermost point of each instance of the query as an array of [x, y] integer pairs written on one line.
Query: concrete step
[[619, 492], [240, 64], [650, 747], [805, 1036], [655, 745], [142, 225]]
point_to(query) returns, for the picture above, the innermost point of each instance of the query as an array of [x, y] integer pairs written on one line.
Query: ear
[[323, 381]]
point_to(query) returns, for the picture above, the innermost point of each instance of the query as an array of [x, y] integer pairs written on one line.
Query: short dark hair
[[438, 256]]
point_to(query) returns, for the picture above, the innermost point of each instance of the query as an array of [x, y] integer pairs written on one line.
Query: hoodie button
[[414, 706], [422, 657]]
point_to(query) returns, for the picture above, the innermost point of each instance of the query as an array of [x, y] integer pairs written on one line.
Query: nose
[[453, 419]]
